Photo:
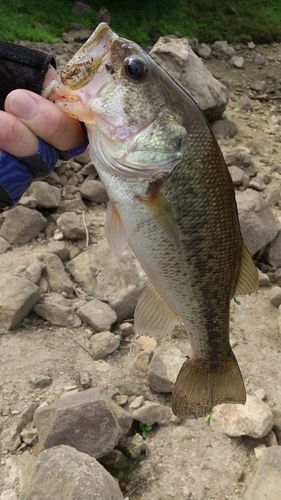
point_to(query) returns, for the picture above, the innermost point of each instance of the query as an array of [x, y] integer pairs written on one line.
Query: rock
[[142, 360], [245, 103], [237, 61], [241, 159], [4, 245], [237, 175], [62, 473], [10, 438], [273, 255], [101, 275], [58, 279], [259, 59], [46, 196], [84, 420], [82, 8], [40, 381], [272, 194], [58, 248], [115, 459], [275, 296], [251, 45], [258, 225], [18, 296], [126, 329], [97, 315], [94, 190], [266, 481], [257, 183], [136, 403], [164, 368], [22, 225], [71, 225], [178, 59], [9, 495], [253, 419], [222, 50], [135, 446], [33, 271], [58, 315], [125, 419], [128, 387], [224, 128], [103, 343], [204, 50], [263, 279], [153, 413], [147, 342], [258, 85], [29, 436], [85, 379], [76, 205]]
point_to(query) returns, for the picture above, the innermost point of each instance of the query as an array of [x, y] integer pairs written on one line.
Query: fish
[[171, 199]]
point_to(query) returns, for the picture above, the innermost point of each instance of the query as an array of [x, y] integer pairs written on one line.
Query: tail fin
[[196, 391]]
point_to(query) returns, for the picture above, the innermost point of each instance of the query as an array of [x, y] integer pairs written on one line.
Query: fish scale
[[172, 200]]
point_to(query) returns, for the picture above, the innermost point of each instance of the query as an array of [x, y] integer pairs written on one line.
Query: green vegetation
[[208, 20], [144, 429]]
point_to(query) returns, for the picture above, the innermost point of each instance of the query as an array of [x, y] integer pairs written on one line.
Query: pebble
[[147, 342], [98, 315], [136, 403], [104, 343], [40, 381], [275, 296], [135, 446], [142, 360]]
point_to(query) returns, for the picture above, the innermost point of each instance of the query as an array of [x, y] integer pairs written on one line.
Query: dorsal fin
[[114, 231], [153, 316], [248, 280]]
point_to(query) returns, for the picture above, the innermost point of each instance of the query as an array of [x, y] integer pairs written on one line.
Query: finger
[[15, 137], [45, 119]]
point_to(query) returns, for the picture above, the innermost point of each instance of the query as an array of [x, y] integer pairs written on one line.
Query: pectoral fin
[[160, 210], [114, 231], [248, 280], [153, 315]]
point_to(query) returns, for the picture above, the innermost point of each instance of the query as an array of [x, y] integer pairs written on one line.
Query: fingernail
[[22, 105]]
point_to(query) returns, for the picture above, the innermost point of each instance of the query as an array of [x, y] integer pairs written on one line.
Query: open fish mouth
[[85, 64]]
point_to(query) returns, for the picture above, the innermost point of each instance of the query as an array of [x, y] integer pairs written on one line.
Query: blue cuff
[[15, 179], [71, 153]]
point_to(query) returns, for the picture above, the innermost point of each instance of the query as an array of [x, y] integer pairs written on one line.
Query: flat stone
[[22, 225], [18, 296], [58, 279], [142, 360], [40, 381], [46, 196], [253, 419], [164, 368], [33, 271], [58, 315], [128, 387], [71, 225], [237, 175], [97, 315], [266, 480], [94, 190], [125, 419], [103, 343], [153, 413], [63, 472], [58, 248], [84, 420]]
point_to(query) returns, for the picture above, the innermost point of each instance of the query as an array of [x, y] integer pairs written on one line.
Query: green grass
[[208, 20]]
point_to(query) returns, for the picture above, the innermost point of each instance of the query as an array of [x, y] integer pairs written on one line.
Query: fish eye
[[135, 68]]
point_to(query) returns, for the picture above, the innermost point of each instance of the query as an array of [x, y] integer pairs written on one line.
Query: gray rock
[[58, 315], [22, 225], [101, 275], [153, 413], [9, 495], [97, 315], [260, 60], [164, 368], [84, 420], [142, 360], [58, 279], [126, 329], [241, 159], [47, 196], [272, 193], [103, 343], [266, 481], [10, 438], [253, 419], [115, 459], [135, 446], [257, 222], [258, 85], [204, 50], [178, 59], [94, 190], [71, 225], [124, 418], [40, 381], [237, 61], [245, 103], [273, 255], [223, 50], [33, 271], [224, 128], [264, 279], [58, 248], [4, 245], [63, 473], [18, 296], [275, 296], [237, 175], [257, 183], [29, 436], [76, 205], [128, 387]]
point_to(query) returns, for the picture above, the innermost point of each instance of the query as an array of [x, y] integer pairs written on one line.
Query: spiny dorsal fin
[[114, 231], [248, 280], [197, 391], [160, 210], [153, 316]]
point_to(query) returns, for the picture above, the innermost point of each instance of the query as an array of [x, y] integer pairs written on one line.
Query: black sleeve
[[22, 68]]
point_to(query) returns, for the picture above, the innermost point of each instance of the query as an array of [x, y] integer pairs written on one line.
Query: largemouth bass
[[171, 199]]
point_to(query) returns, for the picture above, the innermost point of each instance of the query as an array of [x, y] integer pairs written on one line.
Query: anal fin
[[197, 391], [153, 316], [114, 231]]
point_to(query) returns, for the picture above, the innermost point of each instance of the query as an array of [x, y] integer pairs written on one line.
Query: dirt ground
[[202, 463]]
